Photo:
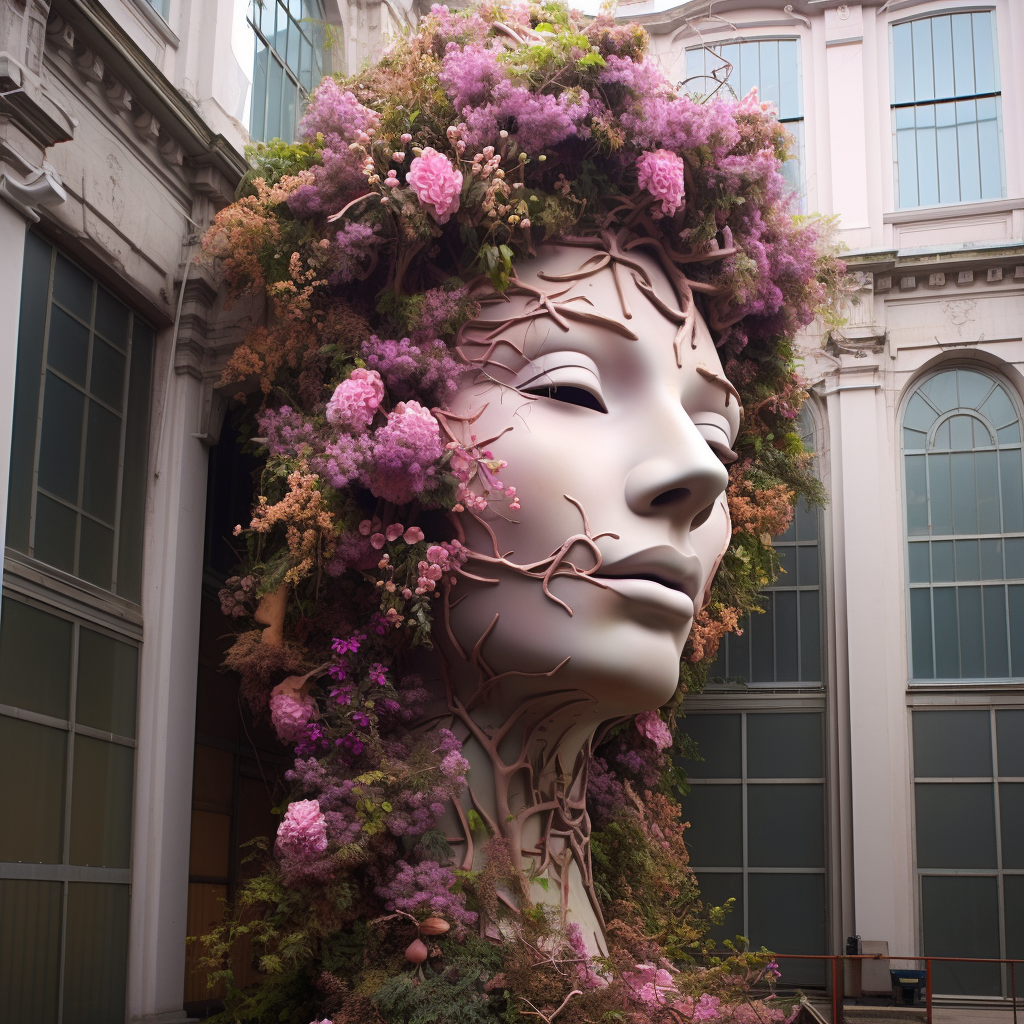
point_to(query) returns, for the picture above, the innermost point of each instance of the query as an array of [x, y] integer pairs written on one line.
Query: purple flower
[[403, 453], [661, 173], [424, 890], [360, 719], [349, 644], [649, 724], [425, 371]]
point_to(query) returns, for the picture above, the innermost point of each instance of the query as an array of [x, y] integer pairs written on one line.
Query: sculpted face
[[609, 436]]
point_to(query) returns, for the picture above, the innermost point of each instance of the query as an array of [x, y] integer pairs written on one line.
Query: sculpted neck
[[529, 749]]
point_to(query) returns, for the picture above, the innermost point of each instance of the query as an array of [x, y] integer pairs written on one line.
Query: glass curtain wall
[[946, 110], [288, 64], [70, 630], [969, 797], [964, 484], [772, 66]]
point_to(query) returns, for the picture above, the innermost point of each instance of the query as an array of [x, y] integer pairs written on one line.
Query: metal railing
[[838, 985]]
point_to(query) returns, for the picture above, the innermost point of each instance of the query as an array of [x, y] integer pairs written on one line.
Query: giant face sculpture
[[599, 385]]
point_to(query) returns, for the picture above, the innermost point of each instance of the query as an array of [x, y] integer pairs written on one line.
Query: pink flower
[[661, 173], [394, 531], [413, 535], [290, 715], [649, 984], [356, 400], [303, 831], [650, 725], [436, 183]]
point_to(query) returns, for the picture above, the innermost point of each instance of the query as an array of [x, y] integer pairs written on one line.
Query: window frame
[[999, 376], [893, 106]]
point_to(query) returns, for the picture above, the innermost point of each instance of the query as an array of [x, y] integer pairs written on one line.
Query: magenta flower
[[302, 833], [661, 173], [436, 183], [290, 715], [649, 724], [356, 400]]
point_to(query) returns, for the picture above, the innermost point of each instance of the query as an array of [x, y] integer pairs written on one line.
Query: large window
[[67, 759], [969, 795], [81, 426], [770, 65], [288, 63], [965, 528], [756, 809], [783, 645], [946, 110]]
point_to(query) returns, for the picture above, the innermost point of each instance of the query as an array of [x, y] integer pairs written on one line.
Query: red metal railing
[[837, 974]]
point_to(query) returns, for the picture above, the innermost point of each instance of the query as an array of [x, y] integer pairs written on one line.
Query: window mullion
[[39, 404]]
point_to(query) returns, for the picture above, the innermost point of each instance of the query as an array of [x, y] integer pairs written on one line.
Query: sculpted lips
[[660, 576]]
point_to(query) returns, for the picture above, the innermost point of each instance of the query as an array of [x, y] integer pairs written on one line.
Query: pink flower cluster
[[469, 462], [403, 453], [436, 183], [302, 834], [355, 400], [424, 890], [441, 558], [661, 173], [290, 715], [649, 985], [373, 528], [650, 724]]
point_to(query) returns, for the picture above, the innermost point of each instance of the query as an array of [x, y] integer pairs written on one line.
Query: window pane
[[972, 648], [101, 805], [952, 744], [1014, 547], [106, 691], [787, 648], [921, 46], [991, 161], [940, 500], [1011, 819], [807, 563], [96, 553], [274, 87], [968, 565], [1013, 491], [784, 745], [72, 289], [942, 53], [68, 348], [988, 492], [61, 442], [992, 560], [107, 379], [785, 826], [102, 457], [961, 918], [955, 825], [35, 659], [136, 456], [917, 495], [920, 572], [965, 496], [1015, 599], [762, 643], [715, 835], [35, 752], [963, 56], [810, 638], [998, 409], [927, 159], [788, 912], [806, 521], [970, 172], [947, 653], [1013, 913], [903, 64], [715, 890], [984, 63], [112, 319], [906, 163], [96, 953], [55, 534], [35, 284], [258, 118], [921, 634], [30, 919], [1010, 742], [718, 743], [997, 654]]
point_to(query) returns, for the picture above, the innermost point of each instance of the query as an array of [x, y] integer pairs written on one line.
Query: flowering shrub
[[480, 135]]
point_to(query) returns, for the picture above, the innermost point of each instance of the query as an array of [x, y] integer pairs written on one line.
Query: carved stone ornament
[[860, 334]]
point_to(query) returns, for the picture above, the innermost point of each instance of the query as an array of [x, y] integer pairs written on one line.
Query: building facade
[[862, 770]]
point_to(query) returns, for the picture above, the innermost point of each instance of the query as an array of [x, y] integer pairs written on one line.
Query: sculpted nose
[[681, 485]]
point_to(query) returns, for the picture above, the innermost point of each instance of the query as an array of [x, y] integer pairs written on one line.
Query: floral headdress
[[367, 248]]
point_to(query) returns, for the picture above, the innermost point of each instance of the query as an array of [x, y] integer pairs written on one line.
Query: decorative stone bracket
[[860, 334]]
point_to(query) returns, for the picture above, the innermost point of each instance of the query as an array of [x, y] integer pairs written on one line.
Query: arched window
[[965, 528]]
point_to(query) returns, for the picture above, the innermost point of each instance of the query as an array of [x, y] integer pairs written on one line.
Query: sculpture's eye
[[567, 393]]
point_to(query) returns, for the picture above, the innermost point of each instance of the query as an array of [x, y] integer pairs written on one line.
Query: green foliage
[[272, 160]]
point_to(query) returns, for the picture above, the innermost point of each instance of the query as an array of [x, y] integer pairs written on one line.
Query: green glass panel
[[940, 495], [965, 493], [96, 553], [787, 642], [921, 634], [762, 642], [1015, 601], [787, 912], [955, 825], [716, 889], [917, 495], [972, 641], [106, 381], [35, 283], [914, 440], [807, 562], [784, 745], [102, 456], [1011, 818], [715, 835], [67, 350], [942, 561], [101, 806], [30, 920], [786, 825], [919, 415], [968, 565], [72, 288], [947, 647], [1010, 434], [107, 674], [1012, 490], [37, 753], [987, 476], [952, 744], [55, 534], [1014, 547], [941, 390], [961, 437], [1013, 914], [35, 659], [998, 409], [1010, 742], [96, 954], [61, 442], [810, 637], [718, 743], [960, 917], [920, 571], [112, 318], [997, 652], [992, 560]]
